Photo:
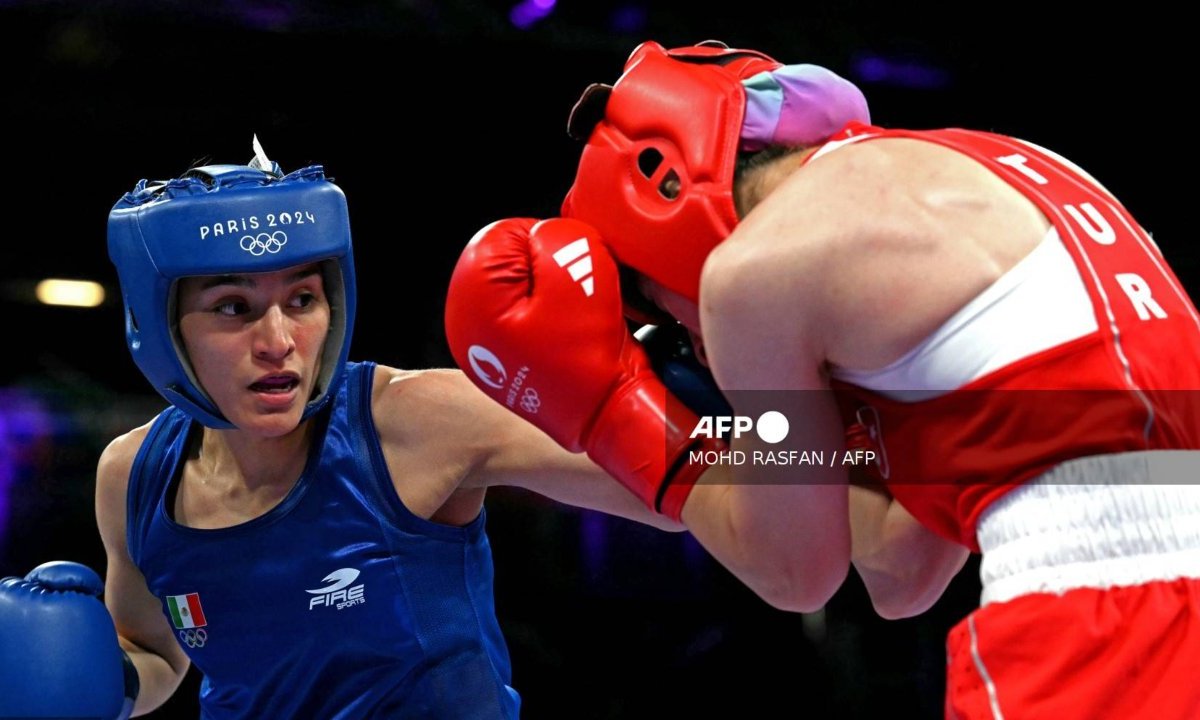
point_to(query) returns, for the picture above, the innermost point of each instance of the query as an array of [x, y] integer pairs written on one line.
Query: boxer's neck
[[759, 182]]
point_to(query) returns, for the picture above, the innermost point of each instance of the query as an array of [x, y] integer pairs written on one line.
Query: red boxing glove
[[534, 318]]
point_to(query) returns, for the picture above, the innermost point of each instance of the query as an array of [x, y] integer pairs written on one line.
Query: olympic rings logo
[[530, 402], [194, 638], [264, 242]]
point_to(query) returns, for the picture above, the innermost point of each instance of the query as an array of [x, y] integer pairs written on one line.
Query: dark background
[[437, 118]]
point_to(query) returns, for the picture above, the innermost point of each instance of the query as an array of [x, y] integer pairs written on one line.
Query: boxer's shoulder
[[116, 460], [915, 189], [425, 406], [428, 429], [835, 206], [427, 391], [112, 482]]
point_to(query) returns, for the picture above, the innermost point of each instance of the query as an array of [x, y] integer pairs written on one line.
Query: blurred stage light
[[628, 19], [24, 424], [73, 293], [527, 12], [900, 72]]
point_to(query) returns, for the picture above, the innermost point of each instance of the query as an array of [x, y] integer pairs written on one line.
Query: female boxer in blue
[[309, 531]]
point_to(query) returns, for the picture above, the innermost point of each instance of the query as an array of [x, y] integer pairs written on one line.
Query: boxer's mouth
[[281, 383]]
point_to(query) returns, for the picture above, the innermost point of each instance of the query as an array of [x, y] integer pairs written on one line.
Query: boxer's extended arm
[[143, 630], [479, 444], [905, 566]]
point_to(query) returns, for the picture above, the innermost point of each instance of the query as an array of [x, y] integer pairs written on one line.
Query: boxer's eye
[[303, 300], [231, 308]]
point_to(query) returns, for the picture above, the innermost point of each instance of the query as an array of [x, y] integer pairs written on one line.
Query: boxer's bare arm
[[143, 630], [786, 536], [905, 566], [438, 419]]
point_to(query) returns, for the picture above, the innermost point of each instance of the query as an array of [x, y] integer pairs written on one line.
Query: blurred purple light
[[593, 540], [629, 19], [906, 73], [521, 17], [24, 422], [527, 12], [871, 69], [264, 14]]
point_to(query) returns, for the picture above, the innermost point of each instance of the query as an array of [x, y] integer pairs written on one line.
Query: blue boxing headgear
[[220, 220]]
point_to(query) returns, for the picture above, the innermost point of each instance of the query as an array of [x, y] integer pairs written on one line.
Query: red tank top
[[1131, 385]]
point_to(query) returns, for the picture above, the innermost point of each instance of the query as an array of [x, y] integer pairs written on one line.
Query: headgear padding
[[220, 220], [656, 176]]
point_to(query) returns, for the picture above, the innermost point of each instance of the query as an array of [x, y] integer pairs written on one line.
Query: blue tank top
[[338, 602]]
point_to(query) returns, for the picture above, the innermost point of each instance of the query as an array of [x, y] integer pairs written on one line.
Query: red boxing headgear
[[656, 176]]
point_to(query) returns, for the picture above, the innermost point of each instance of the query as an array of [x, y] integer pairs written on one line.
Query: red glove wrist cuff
[[643, 439], [675, 492]]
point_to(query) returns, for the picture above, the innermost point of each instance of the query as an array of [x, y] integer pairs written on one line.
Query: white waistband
[[1098, 522]]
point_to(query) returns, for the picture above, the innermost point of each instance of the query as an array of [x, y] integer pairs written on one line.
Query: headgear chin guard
[[219, 220], [656, 176]]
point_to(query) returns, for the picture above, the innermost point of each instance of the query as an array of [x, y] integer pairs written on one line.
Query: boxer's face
[[678, 307], [254, 342]]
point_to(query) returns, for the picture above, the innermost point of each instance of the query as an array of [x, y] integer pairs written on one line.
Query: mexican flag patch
[[186, 611]]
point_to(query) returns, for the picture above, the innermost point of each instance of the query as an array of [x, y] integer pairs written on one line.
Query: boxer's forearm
[[904, 566], [788, 542], [157, 679]]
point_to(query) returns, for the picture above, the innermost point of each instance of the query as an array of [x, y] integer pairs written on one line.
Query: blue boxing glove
[[59, 655], [675, 363]]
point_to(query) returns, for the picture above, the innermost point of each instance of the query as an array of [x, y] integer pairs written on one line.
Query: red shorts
[[1123, 653]]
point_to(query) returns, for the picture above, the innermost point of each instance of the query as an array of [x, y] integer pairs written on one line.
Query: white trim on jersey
[[1040, 303], [835, 144]]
